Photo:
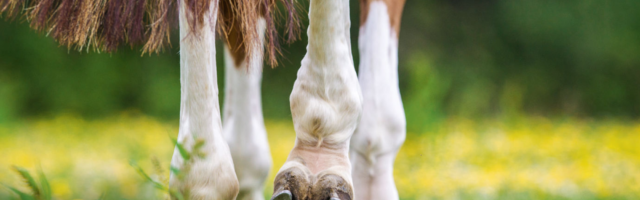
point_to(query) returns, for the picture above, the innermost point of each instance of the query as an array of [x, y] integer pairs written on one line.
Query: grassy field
[[529, 158]]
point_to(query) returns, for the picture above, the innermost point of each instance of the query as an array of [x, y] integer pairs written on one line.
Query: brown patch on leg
[[230, 27], [237, 23], [394, 7]]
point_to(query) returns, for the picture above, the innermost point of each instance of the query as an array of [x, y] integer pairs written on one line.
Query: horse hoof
[[333, 187], [283, 195], [291, 184], [297, 183]]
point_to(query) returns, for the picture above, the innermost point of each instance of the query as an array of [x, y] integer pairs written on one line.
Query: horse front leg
[[325, 106], [209, 175]]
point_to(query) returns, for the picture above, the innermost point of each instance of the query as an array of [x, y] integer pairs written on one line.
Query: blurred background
[[504, 99]]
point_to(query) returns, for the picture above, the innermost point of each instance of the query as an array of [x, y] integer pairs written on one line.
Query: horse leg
[[243, 123], [325, 106], [209, 175], [382, 128]]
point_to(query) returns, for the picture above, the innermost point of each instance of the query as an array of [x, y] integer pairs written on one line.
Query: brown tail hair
[[237, 23], [104, 25]]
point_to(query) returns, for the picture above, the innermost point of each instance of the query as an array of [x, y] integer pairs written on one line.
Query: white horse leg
[[212, 176], [381, 130], [325, 106], [243, 124]]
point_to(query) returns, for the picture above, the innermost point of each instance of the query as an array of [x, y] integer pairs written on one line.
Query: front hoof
[[283, 195], [291, 184], [331, 187]]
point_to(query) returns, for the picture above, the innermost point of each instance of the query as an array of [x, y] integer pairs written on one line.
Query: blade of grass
[[148, 178], [174, 170], [183, 152], [45, 187], [196, 148], [177, 195], [199, 144], [23, 196], [29, 180]]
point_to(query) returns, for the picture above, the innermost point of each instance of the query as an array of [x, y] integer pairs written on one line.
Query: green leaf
[[196, 149], [23, 196], [29, 179], [44, 185], [174, 170], [176, 194], [199, 144], [148, 178], [183, 152]]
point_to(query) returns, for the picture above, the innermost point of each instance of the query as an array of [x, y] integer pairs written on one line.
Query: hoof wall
[[283, 195], [297, 183]]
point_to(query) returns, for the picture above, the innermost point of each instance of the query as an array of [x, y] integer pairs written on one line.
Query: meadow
[[520, 158], [498, 65]]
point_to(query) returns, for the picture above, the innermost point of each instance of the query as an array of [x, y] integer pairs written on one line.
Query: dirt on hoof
[[294, 180], [330, 186], [297, 184]]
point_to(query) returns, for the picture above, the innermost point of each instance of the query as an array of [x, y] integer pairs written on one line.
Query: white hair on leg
[[213, 176], [325, 106], [243, 123], [381, 130]]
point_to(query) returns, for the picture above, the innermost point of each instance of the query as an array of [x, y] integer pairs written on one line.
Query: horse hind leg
[[243, 123], [382, 127]]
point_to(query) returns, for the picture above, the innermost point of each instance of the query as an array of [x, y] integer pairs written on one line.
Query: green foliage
[[38, 192], [22, 195], [473, 59], [425, 95], [183, 152], [45, 187], [554, 58], [180, 174], [163, 186]]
